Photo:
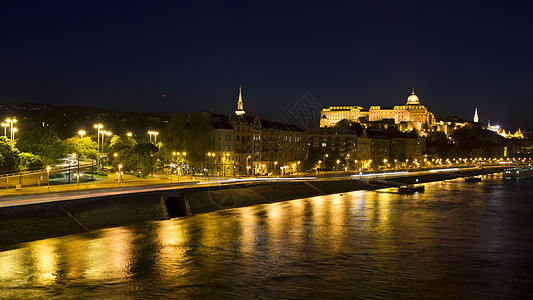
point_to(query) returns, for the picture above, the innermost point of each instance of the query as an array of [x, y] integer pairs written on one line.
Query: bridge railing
[[73, 167]]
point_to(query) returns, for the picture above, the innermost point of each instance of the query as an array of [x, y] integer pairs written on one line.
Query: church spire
[[476, 117], [240, 105]]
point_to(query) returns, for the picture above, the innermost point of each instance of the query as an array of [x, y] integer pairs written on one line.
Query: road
[[25, 199]]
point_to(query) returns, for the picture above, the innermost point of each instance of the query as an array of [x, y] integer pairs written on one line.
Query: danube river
[[456, 241]]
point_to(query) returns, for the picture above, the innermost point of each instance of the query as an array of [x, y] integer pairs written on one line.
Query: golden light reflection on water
[[45, 261], [12, 265], [248, 227], [108, 256], [180, 249]]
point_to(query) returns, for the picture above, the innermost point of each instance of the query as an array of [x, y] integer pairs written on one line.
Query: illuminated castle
[[412, 113]]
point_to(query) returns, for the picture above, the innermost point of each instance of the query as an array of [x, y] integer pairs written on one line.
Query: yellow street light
[[5, 125], [119, 174], [129, 134], [10, 122], [81, 133], [154, 133], [13, 134], [48, 172], [98, 127]]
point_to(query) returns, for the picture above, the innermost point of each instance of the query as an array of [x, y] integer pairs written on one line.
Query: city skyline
[[458, 56]]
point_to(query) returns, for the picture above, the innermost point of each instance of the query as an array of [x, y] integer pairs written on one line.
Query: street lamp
[[209, 155], [13, 130], [98, 127], [154, 133], [119, 174], [227, 162], [81, 133], [48, 173], [4, 124], [11, 121], [129, 134], [247, 167]]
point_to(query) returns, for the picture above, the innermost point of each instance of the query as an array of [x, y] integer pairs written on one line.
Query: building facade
[[415, 115]]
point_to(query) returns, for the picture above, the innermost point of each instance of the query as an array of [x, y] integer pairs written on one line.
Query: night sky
[[458, 55]]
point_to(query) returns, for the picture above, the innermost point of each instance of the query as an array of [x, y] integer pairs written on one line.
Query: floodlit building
[[251, 145], [414, 114]]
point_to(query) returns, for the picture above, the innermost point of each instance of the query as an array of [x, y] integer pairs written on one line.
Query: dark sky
[[458, 55]]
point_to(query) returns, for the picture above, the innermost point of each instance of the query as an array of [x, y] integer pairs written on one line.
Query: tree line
[[42, 146]]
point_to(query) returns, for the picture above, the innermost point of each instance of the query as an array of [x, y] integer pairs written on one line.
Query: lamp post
[[10, 122], [48, 175], [247, 167], [78, 172], [98, 127], [224, 165], [275, 166], [108, 133], [325, 164], [209, 155], [81, 133], [347, 159], [172, 166], [13, 130], [4, 124], [119, 174], [154, 133]]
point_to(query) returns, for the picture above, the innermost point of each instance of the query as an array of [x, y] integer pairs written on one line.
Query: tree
[[145, 153], [128, 158], [85, 147], [118, 143], [9, 155], [191, 133], [42, 141], [30, 161]]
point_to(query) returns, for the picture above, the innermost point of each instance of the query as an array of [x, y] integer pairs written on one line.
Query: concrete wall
[[26, 179], [30, 222]]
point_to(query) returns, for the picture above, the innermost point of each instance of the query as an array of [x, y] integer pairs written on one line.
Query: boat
[[472, 179], [410, 189], [518, 172]]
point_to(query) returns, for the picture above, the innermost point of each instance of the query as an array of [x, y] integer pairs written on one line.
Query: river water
[[456, 241]]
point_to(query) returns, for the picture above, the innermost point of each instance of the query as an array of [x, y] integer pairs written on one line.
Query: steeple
[[240, 105], [476, 117]]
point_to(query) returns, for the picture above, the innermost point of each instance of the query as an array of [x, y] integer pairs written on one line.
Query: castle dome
[[413, 99]]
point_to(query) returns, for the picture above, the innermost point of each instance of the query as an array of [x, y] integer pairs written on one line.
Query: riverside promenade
[[133, 184]]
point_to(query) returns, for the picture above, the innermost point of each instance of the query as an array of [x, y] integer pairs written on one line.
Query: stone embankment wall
[[37, 221]]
